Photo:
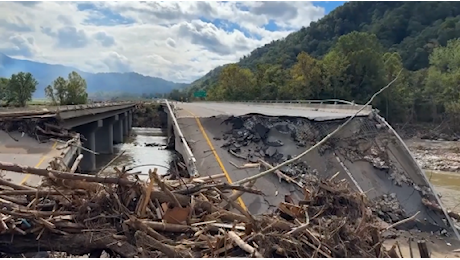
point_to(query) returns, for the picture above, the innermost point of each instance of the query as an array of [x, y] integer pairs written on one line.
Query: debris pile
[[183, 217], [42, 129]]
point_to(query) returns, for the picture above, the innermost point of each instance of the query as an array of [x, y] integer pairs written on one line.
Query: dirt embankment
[[149, 115]]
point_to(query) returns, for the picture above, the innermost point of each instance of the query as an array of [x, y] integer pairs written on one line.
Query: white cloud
[[178, 41]]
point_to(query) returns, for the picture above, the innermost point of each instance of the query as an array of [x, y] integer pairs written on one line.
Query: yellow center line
[[219, 161], [38, 164]]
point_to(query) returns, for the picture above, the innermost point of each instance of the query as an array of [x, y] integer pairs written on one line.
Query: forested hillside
[[353, 52]]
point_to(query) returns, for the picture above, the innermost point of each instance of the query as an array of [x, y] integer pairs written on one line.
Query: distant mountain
[[45, 74]]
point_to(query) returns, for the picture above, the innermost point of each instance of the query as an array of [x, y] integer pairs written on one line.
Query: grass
[[39, 102]]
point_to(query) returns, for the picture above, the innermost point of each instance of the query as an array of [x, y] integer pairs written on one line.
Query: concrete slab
[[214, 109], [25, 151], [203, 135], [202, 140]]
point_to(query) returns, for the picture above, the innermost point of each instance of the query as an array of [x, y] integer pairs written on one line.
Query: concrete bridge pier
[[117, 130], [104, 137], [124, 123], [130, 120], [89, 132]]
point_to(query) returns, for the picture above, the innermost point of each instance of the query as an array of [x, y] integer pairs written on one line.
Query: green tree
[[3, 85], [363, 53], [394, 95], [306, 78], [235, 83], [443, 79], [335, 79], [68, 92], [20, 88]]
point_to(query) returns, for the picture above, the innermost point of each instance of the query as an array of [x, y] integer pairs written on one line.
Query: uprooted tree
[[68, 92], [18, 89]]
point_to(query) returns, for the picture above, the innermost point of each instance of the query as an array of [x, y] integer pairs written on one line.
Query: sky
[[176, 41]]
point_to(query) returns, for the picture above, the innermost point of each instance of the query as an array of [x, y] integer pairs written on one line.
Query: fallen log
[[75, 244], [63, 175], [220, 186]]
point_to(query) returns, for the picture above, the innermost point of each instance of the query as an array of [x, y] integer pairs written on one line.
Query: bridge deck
[[203, 136], [202, 127], [27, 152], [209, 109]]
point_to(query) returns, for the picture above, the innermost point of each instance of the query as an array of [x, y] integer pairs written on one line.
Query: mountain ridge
[[97, 82], [413, 29]]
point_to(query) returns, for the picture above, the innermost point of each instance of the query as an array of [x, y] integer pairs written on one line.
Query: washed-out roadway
[[201, 124]]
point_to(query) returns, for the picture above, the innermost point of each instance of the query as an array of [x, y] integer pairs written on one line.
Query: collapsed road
[[367, 153]]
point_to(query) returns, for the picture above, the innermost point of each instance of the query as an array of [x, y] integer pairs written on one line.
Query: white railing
[[188, 156], [323, 101]]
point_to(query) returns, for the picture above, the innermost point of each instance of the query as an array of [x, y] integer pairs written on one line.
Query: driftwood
[[62, 175], [76, 244], [128, 217]]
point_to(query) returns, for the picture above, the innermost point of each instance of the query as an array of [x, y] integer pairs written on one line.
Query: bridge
[[101, 125], [200, 131]]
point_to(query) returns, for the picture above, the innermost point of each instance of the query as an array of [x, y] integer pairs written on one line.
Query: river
[[138, 152], [441, 162]]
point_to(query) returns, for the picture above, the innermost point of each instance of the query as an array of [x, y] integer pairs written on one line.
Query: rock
[[236, 122], [275, 143], [42, 254], [270, 151], [261, 130], [278, 157], [152, 144], [227, 144], [235, 149], [253, 158]]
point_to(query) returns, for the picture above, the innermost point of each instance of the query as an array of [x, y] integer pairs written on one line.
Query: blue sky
[[178, 41]]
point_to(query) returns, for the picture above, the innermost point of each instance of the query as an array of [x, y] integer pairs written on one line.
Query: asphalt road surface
[[209, 109], [203, 131], [25, 151]]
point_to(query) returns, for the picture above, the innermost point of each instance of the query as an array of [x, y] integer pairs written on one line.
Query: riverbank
[[149, 115]]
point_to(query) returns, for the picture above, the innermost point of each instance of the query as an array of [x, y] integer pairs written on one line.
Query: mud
[[364, 152], [436, 155]]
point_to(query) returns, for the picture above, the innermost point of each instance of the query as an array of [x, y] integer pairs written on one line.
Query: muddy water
[[441, 161], [139, 154], [447, 184]]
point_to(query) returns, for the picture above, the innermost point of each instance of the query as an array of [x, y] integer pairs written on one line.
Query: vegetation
[[68, 92], [96, 82], [18, 89], [349, 56]]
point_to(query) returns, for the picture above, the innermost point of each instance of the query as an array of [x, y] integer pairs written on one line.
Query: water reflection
[[137, 153]]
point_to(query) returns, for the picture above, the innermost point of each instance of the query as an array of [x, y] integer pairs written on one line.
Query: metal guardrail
[[57, 109], [323, 101], [190, 158]]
